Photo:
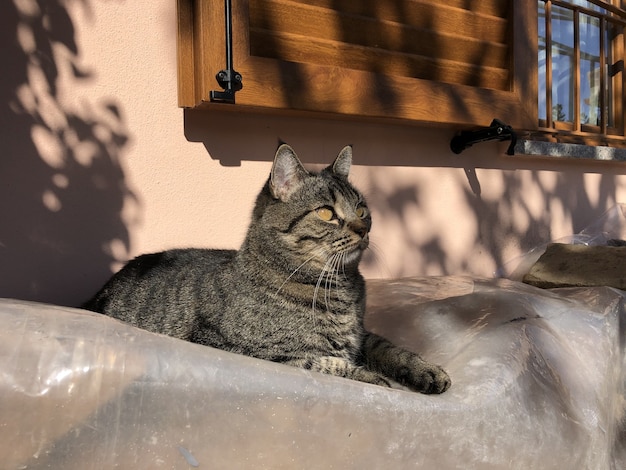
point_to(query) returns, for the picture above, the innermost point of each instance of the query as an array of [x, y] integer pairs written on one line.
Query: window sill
[[569, 151]]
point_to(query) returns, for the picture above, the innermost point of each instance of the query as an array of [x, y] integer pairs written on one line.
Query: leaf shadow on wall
[[521, 213], [505, 204], [62, 188]]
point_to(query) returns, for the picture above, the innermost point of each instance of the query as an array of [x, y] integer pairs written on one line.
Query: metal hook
[[228, 79], [496, 131]]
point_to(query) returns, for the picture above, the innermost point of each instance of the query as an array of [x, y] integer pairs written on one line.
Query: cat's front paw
[[428, 378], [435, 380]]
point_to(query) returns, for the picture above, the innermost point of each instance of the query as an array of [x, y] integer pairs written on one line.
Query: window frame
[[575, 131]]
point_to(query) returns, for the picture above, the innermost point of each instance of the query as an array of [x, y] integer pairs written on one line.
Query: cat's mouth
[[363, 243]]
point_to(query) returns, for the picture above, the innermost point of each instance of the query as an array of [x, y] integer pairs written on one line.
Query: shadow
[[504, 201], [63, 188], [407, 36], [522, 213], [264, 43]]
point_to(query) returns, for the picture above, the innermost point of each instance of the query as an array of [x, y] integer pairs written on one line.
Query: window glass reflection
[[589, 30], [562, 64]]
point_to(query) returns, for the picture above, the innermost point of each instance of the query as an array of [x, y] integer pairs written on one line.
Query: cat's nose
[[359, 228]]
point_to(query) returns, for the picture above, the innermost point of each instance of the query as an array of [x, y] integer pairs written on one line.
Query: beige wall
[[99, 164]]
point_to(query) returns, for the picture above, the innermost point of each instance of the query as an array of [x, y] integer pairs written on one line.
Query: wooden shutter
[[458, 62]]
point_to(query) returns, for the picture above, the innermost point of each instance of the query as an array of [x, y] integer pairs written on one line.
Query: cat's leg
[[405, 367], [341, 368]]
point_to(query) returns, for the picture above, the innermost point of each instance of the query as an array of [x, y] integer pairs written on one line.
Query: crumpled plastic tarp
[[537, 383]]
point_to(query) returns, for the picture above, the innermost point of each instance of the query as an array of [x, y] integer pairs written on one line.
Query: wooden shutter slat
[[296, 48], [314, 22], [425, 13], [344, 92]]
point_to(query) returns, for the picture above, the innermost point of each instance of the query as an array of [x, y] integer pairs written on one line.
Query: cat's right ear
[[287, 173], [341, 166]]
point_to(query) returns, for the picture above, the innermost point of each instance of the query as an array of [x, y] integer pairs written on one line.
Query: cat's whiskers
[[329, 271], [295, 271], [333, 269], [340, 265], [379, 259], [328, 279], [343, 263], [319, 281], [333, 272]]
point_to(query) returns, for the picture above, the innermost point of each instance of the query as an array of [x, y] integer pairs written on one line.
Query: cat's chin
[[353, 257]]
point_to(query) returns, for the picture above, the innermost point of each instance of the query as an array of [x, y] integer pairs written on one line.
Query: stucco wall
[[99, 164]]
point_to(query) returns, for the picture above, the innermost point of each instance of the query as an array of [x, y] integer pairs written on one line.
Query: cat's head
[[317, 218]]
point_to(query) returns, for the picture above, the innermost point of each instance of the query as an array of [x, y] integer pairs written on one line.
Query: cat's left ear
[[287, 173], [343, 162]]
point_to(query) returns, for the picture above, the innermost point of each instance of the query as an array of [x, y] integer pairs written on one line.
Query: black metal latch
[[228, 79], [496, 131]]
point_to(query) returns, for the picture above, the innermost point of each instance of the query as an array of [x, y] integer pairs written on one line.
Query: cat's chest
[[338, 335], [341, 325]]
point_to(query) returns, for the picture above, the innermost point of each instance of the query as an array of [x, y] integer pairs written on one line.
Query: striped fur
[[292, 293]]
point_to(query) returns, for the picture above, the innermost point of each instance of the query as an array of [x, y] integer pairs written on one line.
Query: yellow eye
[[325, 214], [361, 212]]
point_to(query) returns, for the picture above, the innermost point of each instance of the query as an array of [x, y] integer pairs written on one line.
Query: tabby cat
[[292, 293]]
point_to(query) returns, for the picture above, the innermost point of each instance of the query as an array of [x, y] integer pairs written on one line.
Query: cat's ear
[[287, 173], [341, 166]]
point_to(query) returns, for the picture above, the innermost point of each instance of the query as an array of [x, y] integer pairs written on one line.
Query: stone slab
[[564, 265]]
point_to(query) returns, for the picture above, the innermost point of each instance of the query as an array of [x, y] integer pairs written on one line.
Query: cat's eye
[[361, 212], [325, 213]]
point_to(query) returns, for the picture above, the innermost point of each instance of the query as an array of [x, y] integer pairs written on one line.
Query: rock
[[579, 266]]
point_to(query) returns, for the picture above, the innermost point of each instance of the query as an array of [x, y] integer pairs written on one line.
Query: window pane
[[542, 59], [590, 70], [581, 82], [562, 64], [588, 5]]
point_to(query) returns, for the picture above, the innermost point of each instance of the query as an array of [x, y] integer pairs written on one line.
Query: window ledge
[[563, 150]]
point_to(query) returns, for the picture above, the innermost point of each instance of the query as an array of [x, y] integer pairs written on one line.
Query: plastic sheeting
[[537, 383]]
